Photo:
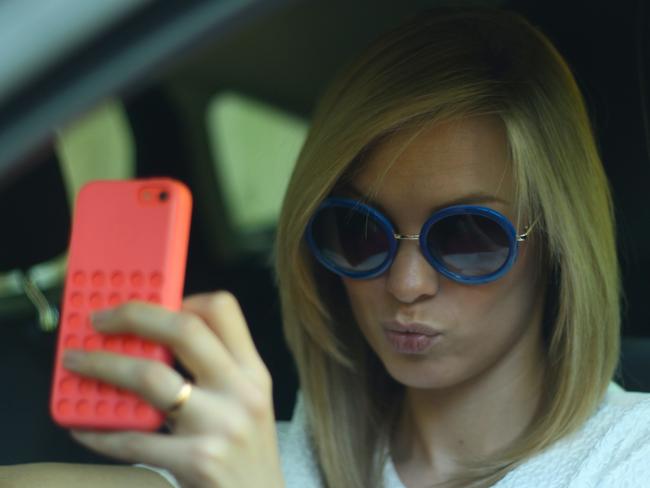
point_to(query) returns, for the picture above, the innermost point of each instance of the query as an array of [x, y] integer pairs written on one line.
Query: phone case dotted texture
[[123, 247]]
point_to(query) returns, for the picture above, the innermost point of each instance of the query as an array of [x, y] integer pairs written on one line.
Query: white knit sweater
[[611, 450]]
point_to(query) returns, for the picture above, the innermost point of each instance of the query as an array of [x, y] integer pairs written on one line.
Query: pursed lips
[[411, 328], [414, 339]]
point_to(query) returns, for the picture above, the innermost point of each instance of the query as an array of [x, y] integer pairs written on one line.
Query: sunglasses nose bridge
[[407, 237], [409, 277]]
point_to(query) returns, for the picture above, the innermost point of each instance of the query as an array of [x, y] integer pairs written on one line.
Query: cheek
[[486, 315], [496, 315], [365, 300]]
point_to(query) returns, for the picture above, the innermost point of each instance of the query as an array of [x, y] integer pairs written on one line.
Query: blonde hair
[[446, 64]]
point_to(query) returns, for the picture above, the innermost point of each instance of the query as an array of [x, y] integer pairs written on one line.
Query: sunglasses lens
[[469, 244], [350, 240]]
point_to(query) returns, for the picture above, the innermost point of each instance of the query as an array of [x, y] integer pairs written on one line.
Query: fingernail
[[72, 359]]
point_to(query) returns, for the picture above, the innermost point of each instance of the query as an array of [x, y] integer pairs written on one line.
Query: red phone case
[[129, 242]]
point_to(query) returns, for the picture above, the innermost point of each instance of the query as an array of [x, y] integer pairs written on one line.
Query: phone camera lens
[[164, 196]]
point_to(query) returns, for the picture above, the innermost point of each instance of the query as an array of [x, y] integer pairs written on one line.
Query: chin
[[419, 373]]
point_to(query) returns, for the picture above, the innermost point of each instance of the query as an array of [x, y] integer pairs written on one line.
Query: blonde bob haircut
[[446, 64]]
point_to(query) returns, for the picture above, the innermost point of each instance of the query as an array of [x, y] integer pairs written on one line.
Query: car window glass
[[254, 146], [98, 145]]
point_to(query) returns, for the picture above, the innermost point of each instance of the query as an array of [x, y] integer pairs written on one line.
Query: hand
[[224, 435]]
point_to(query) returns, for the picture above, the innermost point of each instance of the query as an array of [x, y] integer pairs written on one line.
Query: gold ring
[[181, 398]]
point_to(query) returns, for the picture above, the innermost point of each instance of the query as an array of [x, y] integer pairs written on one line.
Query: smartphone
[[129, 242]]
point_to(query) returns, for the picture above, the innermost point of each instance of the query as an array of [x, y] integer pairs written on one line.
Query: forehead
[[438, 163]]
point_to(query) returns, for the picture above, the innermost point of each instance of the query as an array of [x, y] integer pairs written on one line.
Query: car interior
[[218, 94]]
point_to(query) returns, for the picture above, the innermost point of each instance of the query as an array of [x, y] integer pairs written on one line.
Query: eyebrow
[[468, 199]]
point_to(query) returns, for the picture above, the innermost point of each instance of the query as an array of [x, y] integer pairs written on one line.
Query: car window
[[98, 145], [254, 146]]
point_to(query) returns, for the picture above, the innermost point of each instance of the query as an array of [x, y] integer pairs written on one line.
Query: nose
[[411, 278]]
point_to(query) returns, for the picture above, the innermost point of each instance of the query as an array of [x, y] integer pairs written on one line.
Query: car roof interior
[[279, 55]]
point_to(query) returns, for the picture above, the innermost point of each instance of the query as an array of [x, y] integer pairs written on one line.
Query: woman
[[471, 107], [448, 273]]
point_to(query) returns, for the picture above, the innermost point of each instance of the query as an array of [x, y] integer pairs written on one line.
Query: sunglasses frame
[[514, 240]]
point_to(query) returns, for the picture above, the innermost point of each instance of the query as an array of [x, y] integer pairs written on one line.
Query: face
[[482, 328]]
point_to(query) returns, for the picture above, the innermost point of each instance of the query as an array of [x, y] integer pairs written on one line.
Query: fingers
[[154, 381], [223, 315], [195, 345], [184, 456], [209, 335], [160, 385]]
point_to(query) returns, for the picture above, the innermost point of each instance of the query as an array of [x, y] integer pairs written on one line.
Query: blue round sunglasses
[[467, 243]]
